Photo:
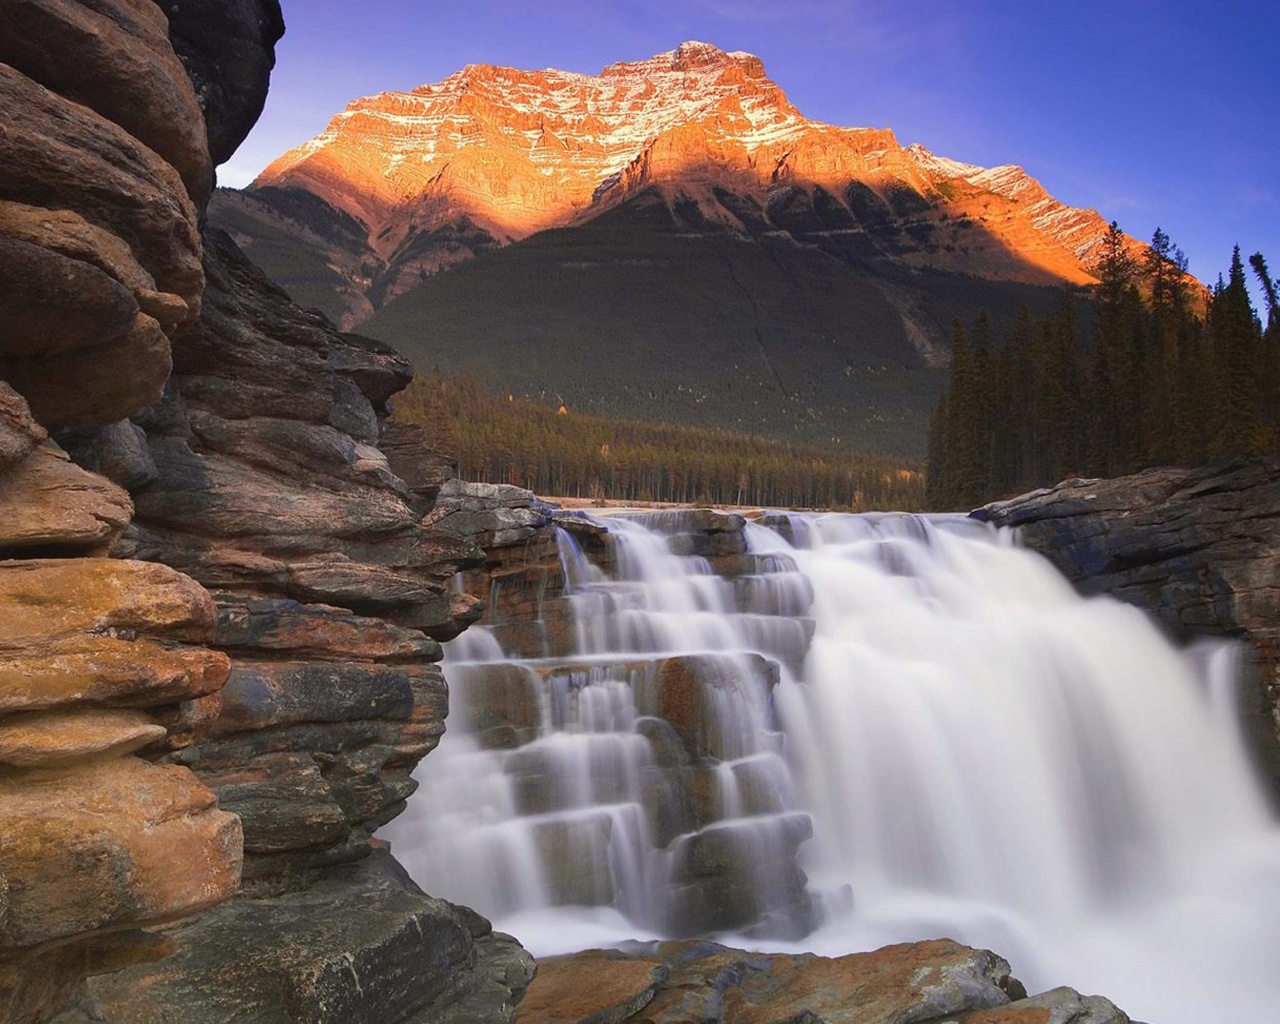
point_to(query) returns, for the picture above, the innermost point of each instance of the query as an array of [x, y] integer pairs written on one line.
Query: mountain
[[670, 238]]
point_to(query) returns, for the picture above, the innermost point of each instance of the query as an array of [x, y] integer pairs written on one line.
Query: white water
[[983, 754]]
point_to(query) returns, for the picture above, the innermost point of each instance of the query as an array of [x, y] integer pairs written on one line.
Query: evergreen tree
[[1236, 343]]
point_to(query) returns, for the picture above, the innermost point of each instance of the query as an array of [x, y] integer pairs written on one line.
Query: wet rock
[[1198, 548], [363, 943], [702, 981], [496, 703], [742, 874], [685, 697]]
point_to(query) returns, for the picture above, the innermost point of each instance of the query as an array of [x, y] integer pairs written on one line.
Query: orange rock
[[100, 670], [46, 501], [50, 599], [117, 843], [63, 738]]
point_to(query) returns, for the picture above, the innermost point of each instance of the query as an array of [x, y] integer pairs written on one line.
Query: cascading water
[[974, 750]]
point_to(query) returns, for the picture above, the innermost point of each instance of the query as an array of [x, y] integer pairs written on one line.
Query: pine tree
[[1236, 339]]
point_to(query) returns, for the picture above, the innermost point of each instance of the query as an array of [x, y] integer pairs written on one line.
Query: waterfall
[[861, 730]]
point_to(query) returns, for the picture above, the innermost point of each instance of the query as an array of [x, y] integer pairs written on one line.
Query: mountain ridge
[[643, 184], [506, 153]]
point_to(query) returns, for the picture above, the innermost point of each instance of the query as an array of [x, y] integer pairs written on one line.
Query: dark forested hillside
[[556, 451], [1161, 379], [652, 320]]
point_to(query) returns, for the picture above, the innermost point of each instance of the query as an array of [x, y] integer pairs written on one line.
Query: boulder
[[19, 433], [61, 155], [117, 842], [228, 50], [677, 982], [65, 738]]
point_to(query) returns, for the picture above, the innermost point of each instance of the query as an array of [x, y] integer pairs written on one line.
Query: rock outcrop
[[161, 742], [1198, 548], [937, 982], [104, 164]]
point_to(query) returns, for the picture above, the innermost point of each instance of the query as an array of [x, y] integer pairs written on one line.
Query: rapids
[[918, 713]]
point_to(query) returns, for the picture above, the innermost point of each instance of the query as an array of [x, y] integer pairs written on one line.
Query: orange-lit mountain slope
[[677, 212]]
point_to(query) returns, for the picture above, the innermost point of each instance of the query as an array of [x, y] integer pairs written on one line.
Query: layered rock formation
[[937, 982], [104, 164], [301, 685], [1198, 548]]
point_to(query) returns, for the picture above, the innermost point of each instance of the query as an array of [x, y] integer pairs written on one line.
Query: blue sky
[[1157, 114]]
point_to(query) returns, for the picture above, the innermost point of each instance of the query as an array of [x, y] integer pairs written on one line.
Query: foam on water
[[982, 753]]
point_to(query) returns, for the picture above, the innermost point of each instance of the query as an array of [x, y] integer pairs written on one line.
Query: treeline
[[1165, 376], [555, 452]]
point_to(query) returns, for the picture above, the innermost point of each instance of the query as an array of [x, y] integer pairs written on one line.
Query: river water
[[876, 729]]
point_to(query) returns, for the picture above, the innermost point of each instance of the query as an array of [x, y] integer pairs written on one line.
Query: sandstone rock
[[72, 390], [71, 235], [63, 738], [53, 304], [118, 451], [599, 985], [413, 459], [677, 982], [118, 842], [36, 983], [1057, 1006], [228, 50], [52, 599], [314, 756], [124, 69], [107, 672], [47, 503], [19, 433], [363, 943], [61, 155], [321, 632]]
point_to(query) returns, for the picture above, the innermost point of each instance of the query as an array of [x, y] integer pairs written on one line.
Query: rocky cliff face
[[104, 163], [1198, 548], [491, 155], [220, 621]]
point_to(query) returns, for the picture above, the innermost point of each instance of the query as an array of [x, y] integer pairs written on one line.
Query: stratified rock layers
[[939, 982], [104, 162], [157, 736]]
